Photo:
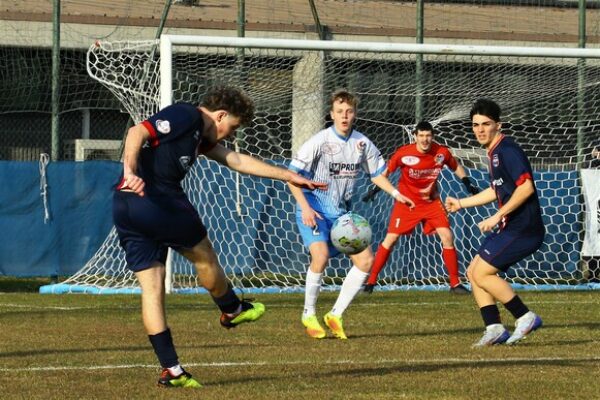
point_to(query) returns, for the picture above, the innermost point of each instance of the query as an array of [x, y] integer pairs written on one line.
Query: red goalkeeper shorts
[[403, 220]]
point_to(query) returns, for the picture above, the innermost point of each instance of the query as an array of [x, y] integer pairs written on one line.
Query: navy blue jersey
[[509, 168], [175, 137]]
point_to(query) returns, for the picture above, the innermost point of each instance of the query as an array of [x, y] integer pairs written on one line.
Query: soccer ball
[[351, 233]]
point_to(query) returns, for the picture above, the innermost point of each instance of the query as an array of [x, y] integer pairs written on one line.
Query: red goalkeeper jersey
[[420, 170]]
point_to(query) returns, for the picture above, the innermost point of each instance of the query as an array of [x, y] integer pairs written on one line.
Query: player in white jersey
[[335, 155]]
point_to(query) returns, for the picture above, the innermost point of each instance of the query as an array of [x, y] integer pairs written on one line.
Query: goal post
[[551, 103]]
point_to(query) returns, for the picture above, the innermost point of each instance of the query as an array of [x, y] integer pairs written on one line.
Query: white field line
[[355, 304], [442, 361]]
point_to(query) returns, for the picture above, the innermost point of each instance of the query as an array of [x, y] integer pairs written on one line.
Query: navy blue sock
[[229, 302], [164, 348], [490, 314], [516, 307]]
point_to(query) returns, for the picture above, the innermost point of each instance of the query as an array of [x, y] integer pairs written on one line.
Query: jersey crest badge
[[185, 162], [495, 161], [330, 148], [439, 159], [361, 145], [163, 126], [410, 160]]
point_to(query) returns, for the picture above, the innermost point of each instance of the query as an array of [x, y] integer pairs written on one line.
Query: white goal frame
[[167, 42]]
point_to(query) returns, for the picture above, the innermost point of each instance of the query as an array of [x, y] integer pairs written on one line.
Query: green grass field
[[409, 345]]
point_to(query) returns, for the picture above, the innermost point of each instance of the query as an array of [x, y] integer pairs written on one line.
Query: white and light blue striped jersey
[[337, 160]]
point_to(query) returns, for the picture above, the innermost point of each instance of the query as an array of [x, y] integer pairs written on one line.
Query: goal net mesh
[[551, 108]]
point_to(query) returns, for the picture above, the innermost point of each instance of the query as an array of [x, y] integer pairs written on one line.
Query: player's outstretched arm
[[136, 137], [382, 182], [370, 196], [253, 166], [453, 204]]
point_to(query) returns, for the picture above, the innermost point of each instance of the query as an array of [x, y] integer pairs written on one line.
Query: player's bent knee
[[363, 261], [200, 252], [318, 265], [365, 265], [319, 256], [479, 276], [446, 238], [470, 277], [469, 274], [206, 267]]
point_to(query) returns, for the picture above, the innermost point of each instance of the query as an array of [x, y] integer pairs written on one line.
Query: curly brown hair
[[344, 96], [232, 100]]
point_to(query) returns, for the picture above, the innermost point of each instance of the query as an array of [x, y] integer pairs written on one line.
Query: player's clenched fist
[[452, 204], [488, 224], [403, 199]]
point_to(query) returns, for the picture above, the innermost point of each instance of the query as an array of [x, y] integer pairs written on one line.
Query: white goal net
[[551, 104]]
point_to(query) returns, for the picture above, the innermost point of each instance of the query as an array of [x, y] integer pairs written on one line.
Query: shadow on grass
[[378, 370], [594, 326], [120, 349], [42, 352], [34, 309], [11, 284], [450, 366], [441, 332]]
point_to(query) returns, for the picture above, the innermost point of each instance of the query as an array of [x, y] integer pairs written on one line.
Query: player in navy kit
[[151, 211], [520, 227]]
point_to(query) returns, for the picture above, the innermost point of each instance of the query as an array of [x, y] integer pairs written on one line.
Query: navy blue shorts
[[148, 225], [503, 249]]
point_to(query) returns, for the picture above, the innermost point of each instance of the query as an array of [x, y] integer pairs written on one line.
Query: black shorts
[[503, 249], [148, 225]]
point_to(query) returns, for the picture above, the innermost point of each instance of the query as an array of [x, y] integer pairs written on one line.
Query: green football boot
[[250, 312], [313, 328], [184, 380], [336, 325]]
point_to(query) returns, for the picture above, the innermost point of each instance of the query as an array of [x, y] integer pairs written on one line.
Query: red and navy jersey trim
[[154, 141], [521, 180]]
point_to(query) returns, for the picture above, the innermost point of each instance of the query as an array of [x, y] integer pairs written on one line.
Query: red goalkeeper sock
[[451, 261], [380, 259]]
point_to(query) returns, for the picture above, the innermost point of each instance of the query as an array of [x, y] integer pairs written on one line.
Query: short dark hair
[[344, 96], [486, 107], [232, 100], [424, 126]]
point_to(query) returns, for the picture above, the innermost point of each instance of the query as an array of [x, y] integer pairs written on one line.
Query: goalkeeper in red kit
[[420, 164]]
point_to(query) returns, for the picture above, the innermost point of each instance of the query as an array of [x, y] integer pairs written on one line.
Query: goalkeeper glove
[[371, 194], [469, 185]]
